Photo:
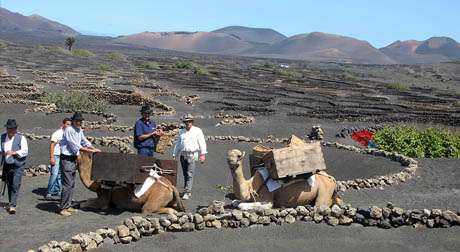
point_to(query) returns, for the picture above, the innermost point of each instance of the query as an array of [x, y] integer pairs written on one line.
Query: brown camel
[[162, 197], [298, 193]]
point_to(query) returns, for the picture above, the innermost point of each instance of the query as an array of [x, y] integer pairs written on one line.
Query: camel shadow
[[111, 211]]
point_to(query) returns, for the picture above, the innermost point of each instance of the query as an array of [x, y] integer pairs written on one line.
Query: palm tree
[[69, 41]]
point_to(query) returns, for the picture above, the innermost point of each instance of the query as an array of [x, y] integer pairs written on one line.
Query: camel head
[[234, 158]]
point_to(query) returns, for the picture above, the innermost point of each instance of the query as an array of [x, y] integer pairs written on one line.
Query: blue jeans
[[188, 170], [145, 151], [54, 183]]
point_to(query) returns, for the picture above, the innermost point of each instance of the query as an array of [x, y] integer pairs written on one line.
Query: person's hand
[[95, 150], [157, 132], [202, 158], [10, 153], [52, 161]]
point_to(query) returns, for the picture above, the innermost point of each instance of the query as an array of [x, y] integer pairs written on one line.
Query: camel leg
[[325, 191], [154, 207], [105, 196], [166, 210], [158, 200]]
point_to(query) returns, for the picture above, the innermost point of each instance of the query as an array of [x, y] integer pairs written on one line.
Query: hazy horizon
[[379, 23]]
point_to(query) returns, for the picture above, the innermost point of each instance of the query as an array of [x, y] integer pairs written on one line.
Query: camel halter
[[156, 172], [242, 156]]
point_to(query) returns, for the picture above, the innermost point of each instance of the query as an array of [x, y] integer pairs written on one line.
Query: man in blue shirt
[[144, 133], [72, 143]]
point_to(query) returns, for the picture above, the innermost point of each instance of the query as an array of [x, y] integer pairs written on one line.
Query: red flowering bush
[[363, 136]]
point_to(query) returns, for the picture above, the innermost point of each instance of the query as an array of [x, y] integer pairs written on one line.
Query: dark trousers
[[13, 180], [188, 170], [145, 151], [68, 171]]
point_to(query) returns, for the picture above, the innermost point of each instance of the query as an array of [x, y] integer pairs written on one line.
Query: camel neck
[[84, 168], [238, 178]]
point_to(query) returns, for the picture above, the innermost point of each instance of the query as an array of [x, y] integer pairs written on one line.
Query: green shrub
[[184, 64], [268, 65], [104, 67], [350, 77], [197, 68], [224, 188], [290, 73], [82, 53], [58, 51], [115, 56], [3, 44], [150, 65], [76, 101], [396, 86], [430, 143], [200, 70]]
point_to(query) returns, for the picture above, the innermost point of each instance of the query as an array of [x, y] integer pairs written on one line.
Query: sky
[[379, 22]]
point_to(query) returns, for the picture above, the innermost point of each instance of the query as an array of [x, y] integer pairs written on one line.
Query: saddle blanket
[[273, 185], [245, 206], [139, 190]]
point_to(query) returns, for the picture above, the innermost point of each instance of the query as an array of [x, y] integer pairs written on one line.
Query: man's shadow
[[53, 207], [40, 191]]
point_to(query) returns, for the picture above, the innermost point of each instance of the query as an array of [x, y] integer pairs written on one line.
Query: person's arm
[[54, 139], [158, 131], [202, 145], [86, 145], [145, 136], [177, 146], [52, 146], [140, 134]]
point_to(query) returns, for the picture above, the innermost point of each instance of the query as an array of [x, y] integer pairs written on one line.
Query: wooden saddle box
[[294, 160], [127, 168]]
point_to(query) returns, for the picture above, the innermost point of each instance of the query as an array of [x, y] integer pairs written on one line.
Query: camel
[[162, 197], [323, 192]]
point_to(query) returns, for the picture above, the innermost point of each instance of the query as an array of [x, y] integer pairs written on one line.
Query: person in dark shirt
[[145, 131]]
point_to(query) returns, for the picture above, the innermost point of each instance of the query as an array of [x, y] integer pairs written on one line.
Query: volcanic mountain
[[11, 22], [318, 46], [203, 42], [435, 49], [256, 35], [405, 52], [239, 40], [440, 45]]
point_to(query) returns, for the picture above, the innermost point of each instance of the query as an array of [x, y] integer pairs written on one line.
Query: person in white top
[[14, 151], [54, 183], [190, 147]]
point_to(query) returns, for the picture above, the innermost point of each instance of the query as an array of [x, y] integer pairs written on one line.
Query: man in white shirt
[[54, 183], [14, 151], [190, 147]]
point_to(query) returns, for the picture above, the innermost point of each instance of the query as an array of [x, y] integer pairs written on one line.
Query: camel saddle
[[121, 168]]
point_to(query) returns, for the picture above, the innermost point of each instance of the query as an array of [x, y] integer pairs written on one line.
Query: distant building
[[284, 65]]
